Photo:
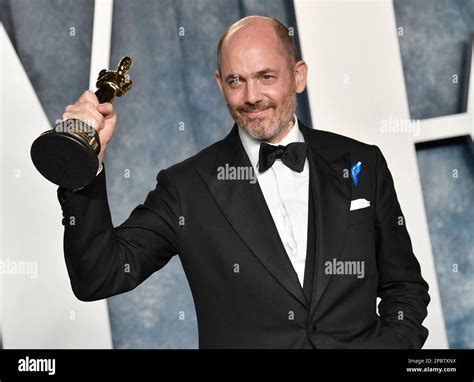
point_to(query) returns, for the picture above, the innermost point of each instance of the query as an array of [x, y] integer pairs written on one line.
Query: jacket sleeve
[[403, 291], [103, 261]]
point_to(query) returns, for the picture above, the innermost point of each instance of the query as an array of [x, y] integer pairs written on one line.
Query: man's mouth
[[256, 113]]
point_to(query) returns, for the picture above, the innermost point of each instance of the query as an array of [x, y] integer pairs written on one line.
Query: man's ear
[[218, 78], [301, 75]]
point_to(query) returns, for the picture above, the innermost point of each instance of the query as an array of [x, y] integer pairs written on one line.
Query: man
[[295, 260]]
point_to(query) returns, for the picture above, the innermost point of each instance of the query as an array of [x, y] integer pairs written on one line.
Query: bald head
[[255, 27]]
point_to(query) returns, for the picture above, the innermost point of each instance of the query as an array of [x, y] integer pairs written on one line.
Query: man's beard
[[268, 127]]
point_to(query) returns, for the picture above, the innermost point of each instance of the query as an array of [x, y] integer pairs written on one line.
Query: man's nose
[[252, 94]]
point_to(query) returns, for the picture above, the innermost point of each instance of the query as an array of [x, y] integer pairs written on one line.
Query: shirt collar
[[252, 145]]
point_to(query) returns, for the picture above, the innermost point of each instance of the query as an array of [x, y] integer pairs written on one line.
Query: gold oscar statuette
[[67, 154]]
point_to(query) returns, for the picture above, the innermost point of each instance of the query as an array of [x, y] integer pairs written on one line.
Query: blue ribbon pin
[[355, 170]]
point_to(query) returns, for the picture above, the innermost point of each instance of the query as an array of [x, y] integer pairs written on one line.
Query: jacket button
[[312, 328]]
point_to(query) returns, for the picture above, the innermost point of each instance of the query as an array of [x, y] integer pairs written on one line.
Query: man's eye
[[267, 77], [235, 80]]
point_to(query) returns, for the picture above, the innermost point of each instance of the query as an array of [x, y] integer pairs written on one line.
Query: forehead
[[251, 48]]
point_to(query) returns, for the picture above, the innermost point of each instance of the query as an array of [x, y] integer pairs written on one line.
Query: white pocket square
[[357, 204]]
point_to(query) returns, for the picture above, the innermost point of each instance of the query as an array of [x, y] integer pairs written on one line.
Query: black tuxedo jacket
[[245, 290]]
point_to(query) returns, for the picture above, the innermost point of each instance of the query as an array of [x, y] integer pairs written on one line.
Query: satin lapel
[[331, 187], [245, 208]]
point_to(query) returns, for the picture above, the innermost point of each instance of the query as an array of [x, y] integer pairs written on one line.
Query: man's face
[[257, 83]]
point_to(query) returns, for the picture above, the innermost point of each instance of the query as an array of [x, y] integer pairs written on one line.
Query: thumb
[[105, 108]]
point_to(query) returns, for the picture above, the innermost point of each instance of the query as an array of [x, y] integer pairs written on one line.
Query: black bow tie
[[293, 156]]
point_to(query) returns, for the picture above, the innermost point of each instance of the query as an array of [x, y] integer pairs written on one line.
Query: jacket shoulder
[[332, 146]]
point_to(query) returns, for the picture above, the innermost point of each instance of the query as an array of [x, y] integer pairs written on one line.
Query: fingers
[[86, 112], [89, 96], [89, 110]]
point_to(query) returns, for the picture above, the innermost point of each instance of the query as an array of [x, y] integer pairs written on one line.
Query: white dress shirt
[[286, 193]]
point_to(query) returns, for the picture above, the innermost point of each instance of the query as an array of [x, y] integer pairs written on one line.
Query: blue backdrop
[[435, 44]]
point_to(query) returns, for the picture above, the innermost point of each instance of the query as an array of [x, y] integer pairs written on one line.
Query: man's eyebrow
[[266, 70]]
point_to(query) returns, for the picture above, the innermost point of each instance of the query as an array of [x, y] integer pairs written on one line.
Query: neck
[[283, 133]]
